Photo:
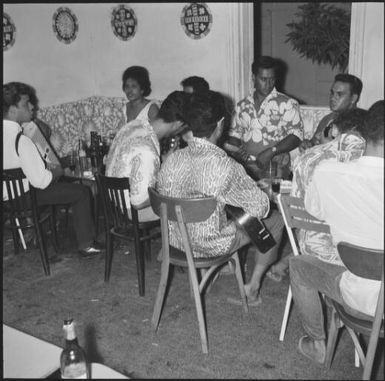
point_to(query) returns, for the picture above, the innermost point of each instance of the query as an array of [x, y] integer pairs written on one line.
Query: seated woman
[[347, 145], [136, 85]]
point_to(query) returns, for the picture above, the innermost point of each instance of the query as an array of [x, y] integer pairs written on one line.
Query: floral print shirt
[[135, 153], [203, 169], [277, 117], [345, 147]]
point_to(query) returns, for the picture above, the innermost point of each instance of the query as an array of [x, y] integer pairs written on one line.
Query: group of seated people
[[339, 174]]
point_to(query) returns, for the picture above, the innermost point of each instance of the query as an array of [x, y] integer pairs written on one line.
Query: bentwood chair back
[[369, 264], [21, 212], [118, 223], [183, 212], [295, 216]]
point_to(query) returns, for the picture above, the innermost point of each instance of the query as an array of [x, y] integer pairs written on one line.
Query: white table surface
[[102, 371], [26, 356]]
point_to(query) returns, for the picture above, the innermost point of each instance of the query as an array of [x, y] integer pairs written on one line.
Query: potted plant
[[322, 34]]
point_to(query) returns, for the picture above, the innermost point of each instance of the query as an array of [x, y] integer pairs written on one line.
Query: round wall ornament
[[124, 22], [196, 20], [65, 25], [9, 32]]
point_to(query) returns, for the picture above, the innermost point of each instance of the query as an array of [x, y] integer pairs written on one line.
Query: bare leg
[[263, 261]]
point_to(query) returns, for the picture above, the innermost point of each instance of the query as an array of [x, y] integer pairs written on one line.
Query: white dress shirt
[[350, 198], [29, 159]]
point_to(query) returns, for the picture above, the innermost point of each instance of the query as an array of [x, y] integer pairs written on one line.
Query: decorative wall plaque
[[196, 20], [124, 22], [9, 32], [65, 25]]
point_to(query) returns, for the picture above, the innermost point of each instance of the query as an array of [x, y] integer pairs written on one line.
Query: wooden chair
[[118, 224], [365, 263], [21, 212], [184, 211], [296, 217]]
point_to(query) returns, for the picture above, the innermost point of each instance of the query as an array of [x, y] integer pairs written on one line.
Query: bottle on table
[[82, 157], [73, 363]]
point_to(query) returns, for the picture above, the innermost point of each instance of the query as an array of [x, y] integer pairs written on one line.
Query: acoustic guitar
[[253, 227]]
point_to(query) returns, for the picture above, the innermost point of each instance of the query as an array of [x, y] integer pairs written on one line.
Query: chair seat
[[364, 326], [178, 258]]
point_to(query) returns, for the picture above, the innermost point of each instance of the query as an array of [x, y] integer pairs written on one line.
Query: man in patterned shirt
[[204, 169], [267, 123], [135, 152]]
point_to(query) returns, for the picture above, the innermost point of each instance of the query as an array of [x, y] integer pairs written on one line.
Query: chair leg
[[108, 255], [332, 338], [43, 249], [286, 315], [52, 222], [199, 309], [241, 284], [147, 246], [165, 268], [139, 262], [16, 243]]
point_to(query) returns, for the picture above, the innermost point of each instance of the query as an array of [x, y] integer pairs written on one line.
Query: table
[[102, 371], [26, 356]]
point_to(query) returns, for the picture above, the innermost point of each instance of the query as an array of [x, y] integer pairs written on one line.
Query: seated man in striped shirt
[[204, 169]]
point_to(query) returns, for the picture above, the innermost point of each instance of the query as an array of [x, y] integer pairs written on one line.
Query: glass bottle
[[82, 157], [73, 362]]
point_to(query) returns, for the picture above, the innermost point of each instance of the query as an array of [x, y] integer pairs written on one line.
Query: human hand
[[305, 144]]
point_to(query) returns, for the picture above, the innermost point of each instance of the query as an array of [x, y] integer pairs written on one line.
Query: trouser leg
[[308, 277], [79, 197]]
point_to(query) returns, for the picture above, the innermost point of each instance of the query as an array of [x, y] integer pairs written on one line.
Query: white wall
[[94, 62], [366, 58], [306, 81]]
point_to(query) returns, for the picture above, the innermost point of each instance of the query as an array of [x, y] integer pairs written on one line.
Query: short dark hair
[[140, 74], [352, 119], [354, 82], [199, 84], [373, 128], [12, 93], [172, 107], [264, 62], [204, 111]]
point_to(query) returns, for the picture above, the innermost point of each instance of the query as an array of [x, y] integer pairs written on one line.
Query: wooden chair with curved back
[[295, 216], [369, 264], [22, 212], [185, 211], [119, 224]]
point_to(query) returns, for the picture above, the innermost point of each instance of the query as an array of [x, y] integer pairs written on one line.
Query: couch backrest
[[75, 120]]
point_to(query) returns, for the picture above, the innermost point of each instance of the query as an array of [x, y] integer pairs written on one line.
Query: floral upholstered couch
[[72, 121], [75, 120]]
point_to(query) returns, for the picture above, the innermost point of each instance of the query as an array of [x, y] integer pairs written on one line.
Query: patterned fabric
[[277, 117], [311, 117], [202, 169], [344, 148], [75, 120], [135, 153]]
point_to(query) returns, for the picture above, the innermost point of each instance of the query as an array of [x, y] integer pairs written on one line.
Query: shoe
[[306, 346], [91, 251]]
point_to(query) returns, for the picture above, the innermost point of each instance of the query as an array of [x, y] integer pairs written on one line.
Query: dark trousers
[[79, 197]]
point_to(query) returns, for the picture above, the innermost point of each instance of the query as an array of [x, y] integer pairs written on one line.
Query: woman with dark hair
[[136, 85]]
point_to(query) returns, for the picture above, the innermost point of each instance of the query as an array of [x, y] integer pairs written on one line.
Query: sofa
[[75, 120]]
